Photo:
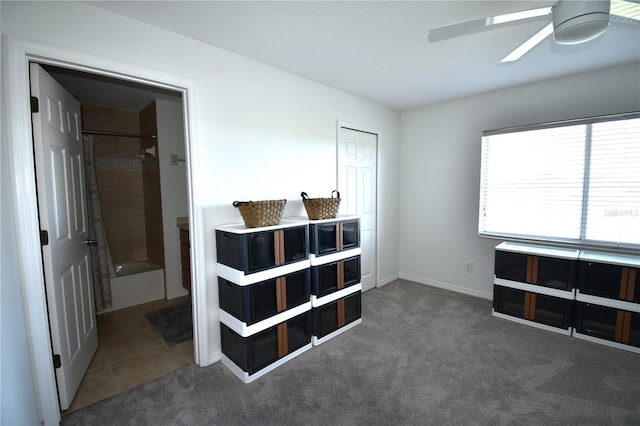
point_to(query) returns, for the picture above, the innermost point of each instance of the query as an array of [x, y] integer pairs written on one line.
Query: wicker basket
[[260, 213], [321, 208]]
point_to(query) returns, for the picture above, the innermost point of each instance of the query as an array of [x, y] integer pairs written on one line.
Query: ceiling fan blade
[[483, 24], [529, 44], [625, 11]]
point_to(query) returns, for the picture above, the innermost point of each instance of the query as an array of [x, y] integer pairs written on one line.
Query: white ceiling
[[379, 50]]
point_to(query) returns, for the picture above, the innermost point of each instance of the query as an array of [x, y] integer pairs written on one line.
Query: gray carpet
[[422, 356]]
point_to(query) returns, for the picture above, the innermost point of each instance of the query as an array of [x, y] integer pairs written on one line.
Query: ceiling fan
[[572, 22]]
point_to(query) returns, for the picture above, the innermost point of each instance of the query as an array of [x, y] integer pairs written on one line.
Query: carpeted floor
[[422, 356]]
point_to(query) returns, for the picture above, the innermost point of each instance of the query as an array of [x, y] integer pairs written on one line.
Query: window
[[572, 182]]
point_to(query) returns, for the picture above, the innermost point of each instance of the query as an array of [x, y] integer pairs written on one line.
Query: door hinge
[[57, 361], [35, 107], [44, 237]]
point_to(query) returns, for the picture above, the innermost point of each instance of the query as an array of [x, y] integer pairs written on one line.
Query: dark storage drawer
[[255, 302], [544, 271], [332, 316], [334, 276], [331, 237], [610, 281], [256, 352], [261, 250], [540, 308], [608, 323]]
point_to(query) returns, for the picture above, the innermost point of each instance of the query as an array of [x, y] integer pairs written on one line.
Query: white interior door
[[63, 214], [357, 170]]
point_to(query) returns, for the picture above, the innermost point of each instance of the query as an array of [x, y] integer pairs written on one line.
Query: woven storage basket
[[260, 213], [321, 208]]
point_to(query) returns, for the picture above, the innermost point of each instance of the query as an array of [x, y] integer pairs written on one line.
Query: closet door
[[357, 182]]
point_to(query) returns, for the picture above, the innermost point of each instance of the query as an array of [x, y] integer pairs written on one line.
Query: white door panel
[[62, 212], [357, 167], [367, 186], [351, 197]]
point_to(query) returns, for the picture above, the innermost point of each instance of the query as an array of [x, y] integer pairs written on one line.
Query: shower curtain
[[100, 255]]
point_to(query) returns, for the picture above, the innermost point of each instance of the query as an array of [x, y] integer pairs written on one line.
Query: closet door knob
[[91, 242]]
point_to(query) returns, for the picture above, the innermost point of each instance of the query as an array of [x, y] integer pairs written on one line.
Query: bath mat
[[174, 324]]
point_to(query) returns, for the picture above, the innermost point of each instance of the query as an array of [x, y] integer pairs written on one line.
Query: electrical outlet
[[468, 267]]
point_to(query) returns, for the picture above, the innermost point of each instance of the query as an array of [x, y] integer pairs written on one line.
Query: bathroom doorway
[[137, 132]]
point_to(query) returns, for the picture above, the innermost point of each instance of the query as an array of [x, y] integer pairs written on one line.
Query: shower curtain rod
[[122, 134]]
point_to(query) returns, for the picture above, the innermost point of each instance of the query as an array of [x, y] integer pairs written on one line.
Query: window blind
[[576, 182]]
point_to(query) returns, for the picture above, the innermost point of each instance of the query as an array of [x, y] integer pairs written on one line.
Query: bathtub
[[136, 282], [135, 267]]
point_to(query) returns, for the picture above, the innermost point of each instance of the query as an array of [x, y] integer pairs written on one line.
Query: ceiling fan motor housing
[[576, 22]]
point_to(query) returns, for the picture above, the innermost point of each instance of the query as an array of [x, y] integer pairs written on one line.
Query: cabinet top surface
[[618, 259], [584, 255], [539, 250], [240, 228], [338, 218]]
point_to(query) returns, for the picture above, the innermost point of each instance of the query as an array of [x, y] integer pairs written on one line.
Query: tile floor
[[130, 352]]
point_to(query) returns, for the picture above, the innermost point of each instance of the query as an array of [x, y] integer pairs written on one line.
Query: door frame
[[359, 128], [23, 188]]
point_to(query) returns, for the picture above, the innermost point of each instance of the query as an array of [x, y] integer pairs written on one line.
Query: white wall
[[17, 397], [173, 184], [260, 133], [440, 163], [18, 403]]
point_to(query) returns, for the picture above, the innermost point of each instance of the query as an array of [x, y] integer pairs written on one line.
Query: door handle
[[91, 242]]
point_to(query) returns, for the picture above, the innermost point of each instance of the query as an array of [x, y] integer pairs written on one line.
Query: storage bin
[[258, 351], [333, 276], [539, 308], [558, 273], [255, 302], [609, 280], [332, 316], [251, 252], [608, 323], [333, 236]]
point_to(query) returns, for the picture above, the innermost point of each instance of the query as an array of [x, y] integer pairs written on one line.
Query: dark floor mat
[[175, 324]]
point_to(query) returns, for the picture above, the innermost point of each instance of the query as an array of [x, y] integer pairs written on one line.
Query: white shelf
[[245, 330], [240, 228], [248, 378], [566, 332], [238, 277], [319, 340], [539, 250], [616, 259], [606, 342], [334, 257], [338, 218], [533, 288], [610, 303], [316, 302]]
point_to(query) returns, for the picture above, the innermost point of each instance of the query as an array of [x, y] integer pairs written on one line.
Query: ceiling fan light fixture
[[576, 22]]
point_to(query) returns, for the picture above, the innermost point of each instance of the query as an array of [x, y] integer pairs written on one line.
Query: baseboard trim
[[213, 358], [387, 280], [448, 286]]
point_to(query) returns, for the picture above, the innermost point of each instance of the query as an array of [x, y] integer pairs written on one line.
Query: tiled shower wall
[[151, 185], [126, 186]]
